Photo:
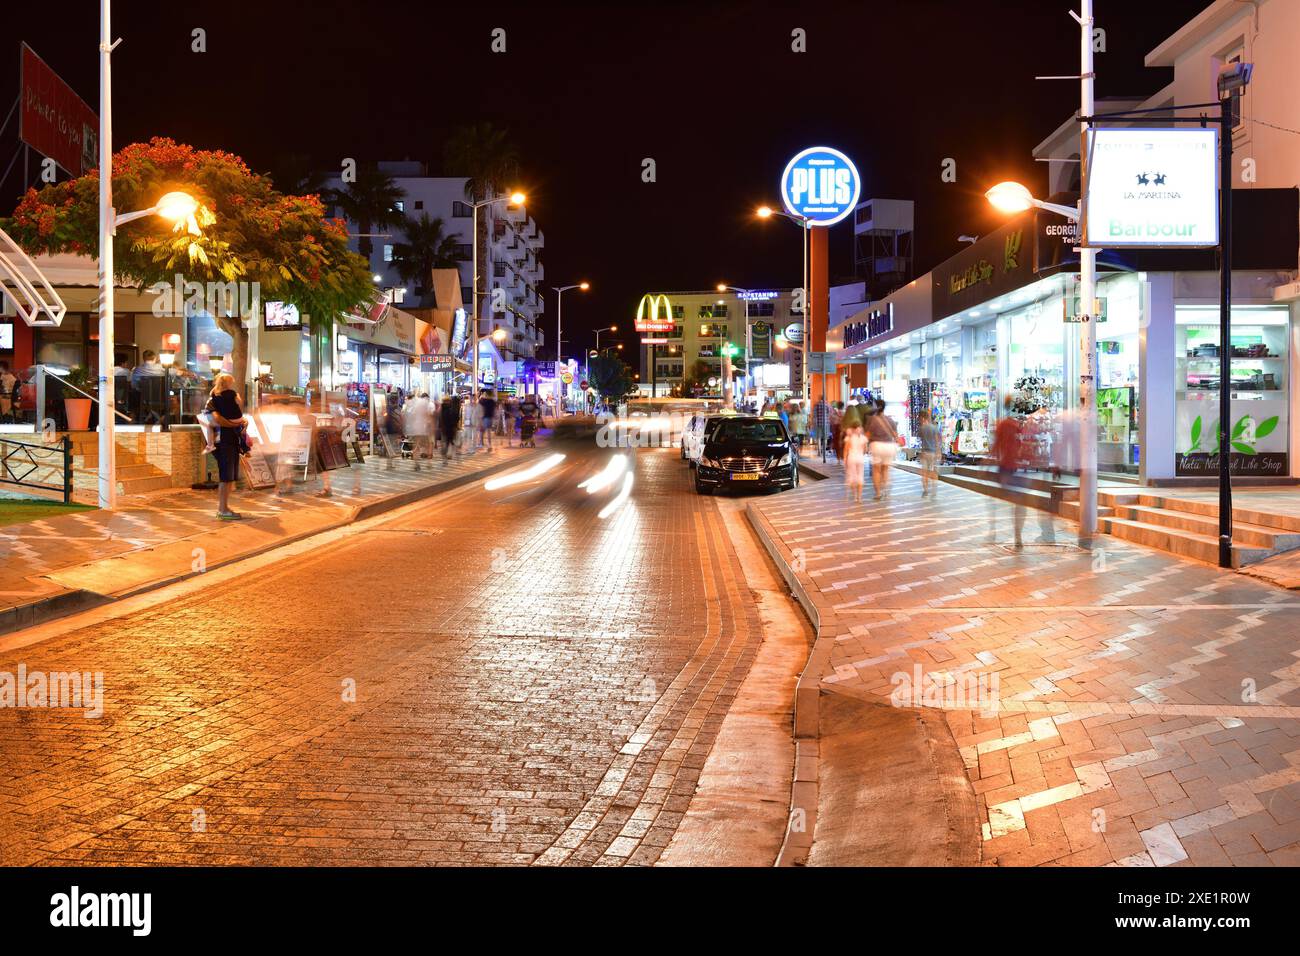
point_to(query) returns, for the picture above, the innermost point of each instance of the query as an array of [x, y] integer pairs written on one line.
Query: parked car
[[747, 452], [694, 434]]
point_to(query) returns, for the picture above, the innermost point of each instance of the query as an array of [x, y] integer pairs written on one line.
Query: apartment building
[[512, 296], [710, 327]]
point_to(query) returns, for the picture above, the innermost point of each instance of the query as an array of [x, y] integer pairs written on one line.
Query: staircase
[[134, 474], [1181, 526], [1191, 528]]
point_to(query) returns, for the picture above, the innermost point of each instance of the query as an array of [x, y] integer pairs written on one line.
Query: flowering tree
[[248, 232]]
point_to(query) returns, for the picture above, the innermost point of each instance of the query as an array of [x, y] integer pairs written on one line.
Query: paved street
[[1120, 707], [489, 677]]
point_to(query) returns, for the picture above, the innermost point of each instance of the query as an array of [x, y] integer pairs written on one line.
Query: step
[[135, 486], [1189, 544], [1028, 497], [1062, 491], [1248, 533], [1241, 514]]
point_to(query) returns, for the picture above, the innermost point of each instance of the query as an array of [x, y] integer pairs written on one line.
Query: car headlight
[[785, 460], [708, 462]]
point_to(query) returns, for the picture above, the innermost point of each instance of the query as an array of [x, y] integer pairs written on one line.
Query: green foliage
[[250, 231], [427, 247], [612, 378], [370, 202]]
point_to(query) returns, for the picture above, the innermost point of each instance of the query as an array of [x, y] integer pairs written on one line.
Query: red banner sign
[[54, 120]]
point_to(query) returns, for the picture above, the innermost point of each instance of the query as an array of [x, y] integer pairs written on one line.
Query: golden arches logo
[[647, 313]]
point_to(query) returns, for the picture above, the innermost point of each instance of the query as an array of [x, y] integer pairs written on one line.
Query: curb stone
[[74, 601]]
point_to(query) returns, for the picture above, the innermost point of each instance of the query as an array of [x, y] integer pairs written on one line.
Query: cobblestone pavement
[[34, 548], [1147, 707], [533, 684]]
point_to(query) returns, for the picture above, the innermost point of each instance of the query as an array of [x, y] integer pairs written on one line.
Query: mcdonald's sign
[[654, 314]]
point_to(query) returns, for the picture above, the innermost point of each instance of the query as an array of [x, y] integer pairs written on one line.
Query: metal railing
[[47, 467]]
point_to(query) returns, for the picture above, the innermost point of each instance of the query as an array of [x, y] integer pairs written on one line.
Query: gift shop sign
[[1155, 188]]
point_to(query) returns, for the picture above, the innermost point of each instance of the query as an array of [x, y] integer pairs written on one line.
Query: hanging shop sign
[[654, 313], [54, 120], [821, 185], [1152, 187], [435, 362], [757, 296], [794, 333]]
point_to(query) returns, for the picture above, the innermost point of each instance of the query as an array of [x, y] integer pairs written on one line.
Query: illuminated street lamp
[[559, 328], [767, 212], [515, 198]]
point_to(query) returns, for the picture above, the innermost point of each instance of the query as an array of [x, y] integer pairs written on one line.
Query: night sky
[[712, 92]]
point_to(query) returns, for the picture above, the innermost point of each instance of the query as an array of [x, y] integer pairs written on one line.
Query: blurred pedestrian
[[486, 419], [417, 420], [837, 417], [799, 425], [928, 433], [1009, 454], [855, 453], [449, 423], [883, 445], [821, 425]]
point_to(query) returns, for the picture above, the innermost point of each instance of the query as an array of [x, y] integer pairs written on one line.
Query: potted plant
[[76, 406]]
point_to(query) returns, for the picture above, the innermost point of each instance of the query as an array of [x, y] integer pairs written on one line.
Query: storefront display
[[1260, 399]]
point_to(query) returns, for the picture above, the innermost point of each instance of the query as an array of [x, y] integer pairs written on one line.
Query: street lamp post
[[559, 329], [515, 198], [766, 212], [176, 206], [612, 328]]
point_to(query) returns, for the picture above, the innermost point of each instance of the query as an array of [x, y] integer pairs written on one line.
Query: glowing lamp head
[[167, 358], [764, 212], [584, 286], [517, 198], [722, 287], [216, 362], [1009, 197], [499, 335], [177, 206]]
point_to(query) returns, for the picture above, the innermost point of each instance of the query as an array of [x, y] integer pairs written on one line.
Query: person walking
[[486, 419], [8, 383], [928, 433], [227, 413], [799, 425], [449, 423], [417, 420], [821, 425], [883, 445], [855, 453], [837, 417], [1009, 454]]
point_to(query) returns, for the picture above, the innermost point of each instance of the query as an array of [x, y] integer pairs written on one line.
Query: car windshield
[[763, 431]]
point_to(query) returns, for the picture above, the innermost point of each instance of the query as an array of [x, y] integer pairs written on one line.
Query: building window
[[466, 293], [388, 252], [419, 204], [464, 251], [679, 312], [461, 210], [761, 309]]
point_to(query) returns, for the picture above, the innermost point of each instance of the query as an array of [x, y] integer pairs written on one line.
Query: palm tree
[[426, 248], [484, 154], [371, 203]]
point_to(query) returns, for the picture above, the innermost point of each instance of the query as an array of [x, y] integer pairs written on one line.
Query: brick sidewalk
[[39, 560], [1148, 707]]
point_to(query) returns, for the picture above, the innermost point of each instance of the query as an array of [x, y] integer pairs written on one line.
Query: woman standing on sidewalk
[[228, 414]]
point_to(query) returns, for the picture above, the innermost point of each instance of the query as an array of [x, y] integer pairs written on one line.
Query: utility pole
[[1087, 299]]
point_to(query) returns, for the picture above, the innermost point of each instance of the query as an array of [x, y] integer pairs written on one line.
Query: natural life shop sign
[[1152, 188], [1258, 438]]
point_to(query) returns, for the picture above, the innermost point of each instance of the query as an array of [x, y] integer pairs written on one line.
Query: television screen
[[6, 336], [282, 315]]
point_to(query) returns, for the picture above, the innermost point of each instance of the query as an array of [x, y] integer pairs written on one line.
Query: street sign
[[567, 378], [1152, 188], [584, 385], [821, 185]]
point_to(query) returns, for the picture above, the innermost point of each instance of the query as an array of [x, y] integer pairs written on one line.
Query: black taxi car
[[747, 452]]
